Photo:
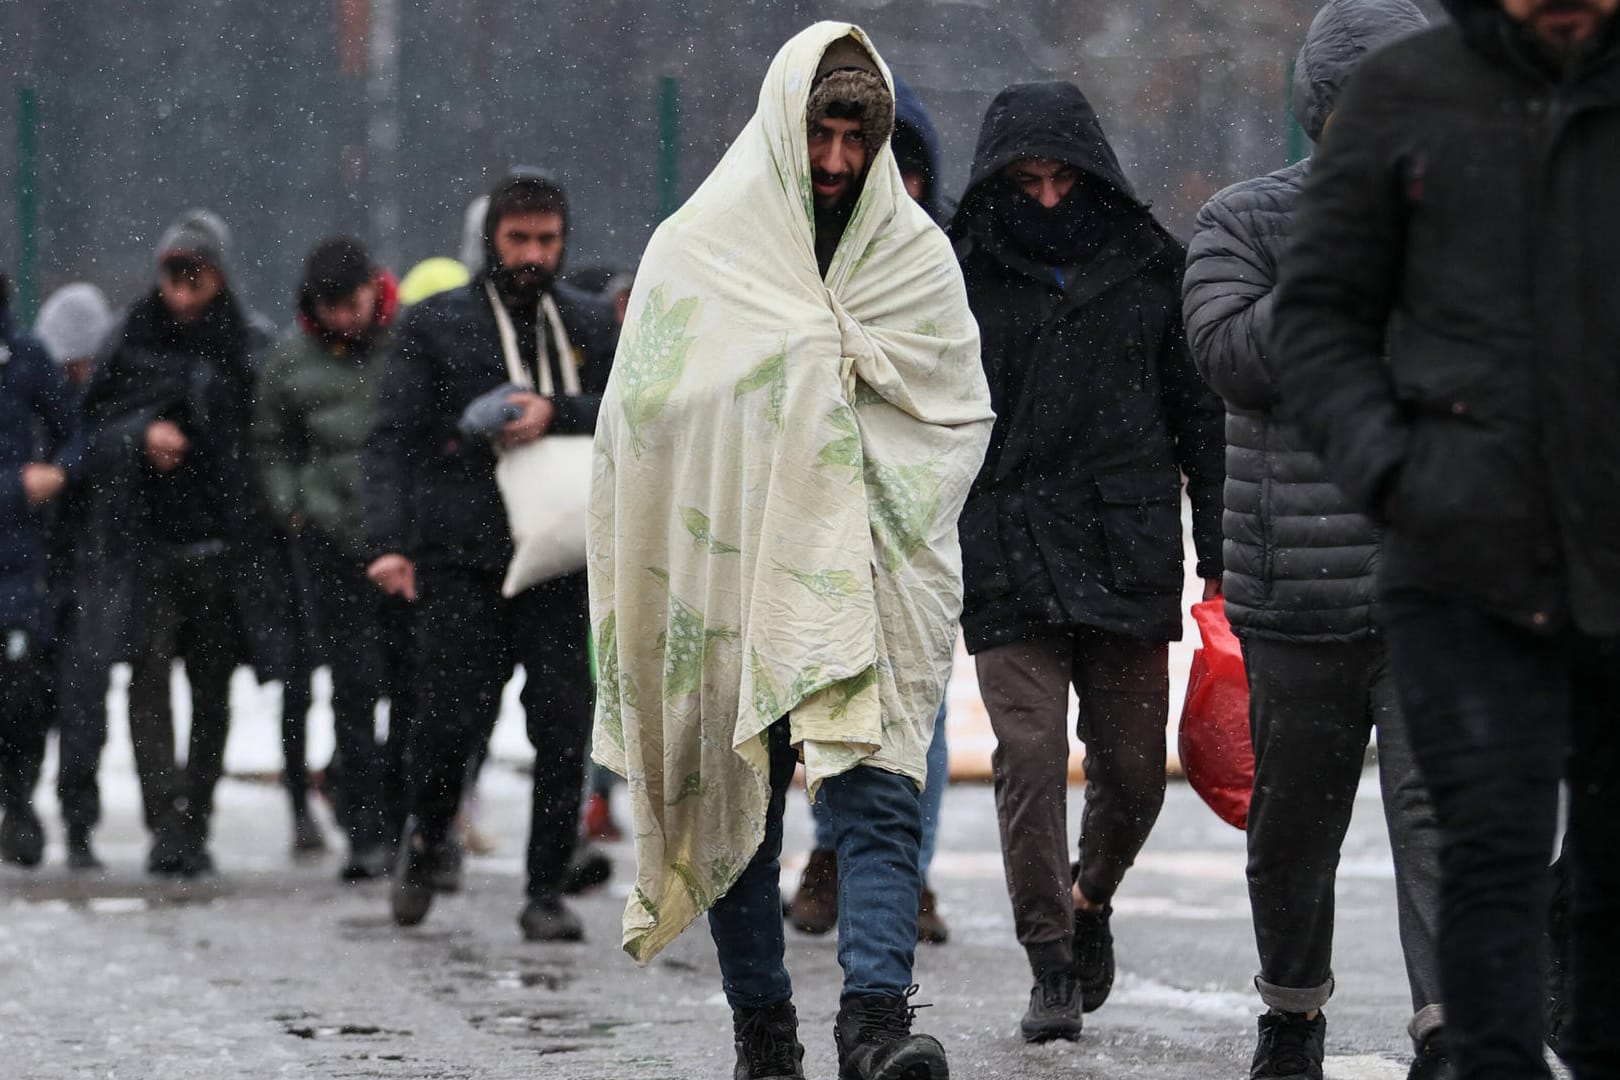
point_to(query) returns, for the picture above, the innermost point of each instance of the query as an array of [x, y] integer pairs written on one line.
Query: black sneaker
[[1431, 1062], [22, 840], [1290, 1047], [307, 840], [1093, 956], [412, 894], [768, 1046], [875, 1042], [366, 862], [169, 852], [1054, 1008], [588, 867], [80, 856], [547, 918]]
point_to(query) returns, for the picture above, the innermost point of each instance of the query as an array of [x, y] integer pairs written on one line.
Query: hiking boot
[[1093, 956], [547, 918], [448, 855], [598, 819], [1054, 1008], [22, 839], [412, 894], [814, 909], [768, 1046], [588, 867], [1431, 1062], [366, 862], [931, 928], [875, 1042], [79, 853], [1290, 1047]]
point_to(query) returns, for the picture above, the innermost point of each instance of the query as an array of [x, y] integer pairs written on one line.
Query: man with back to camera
[[1447, 334]]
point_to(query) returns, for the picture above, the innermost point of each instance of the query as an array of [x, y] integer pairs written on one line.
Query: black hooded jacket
[[429, 492], [1300, 560], [1463, 204], [1075, 519]]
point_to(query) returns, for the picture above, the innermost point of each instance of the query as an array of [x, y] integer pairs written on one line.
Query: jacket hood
[[1051, 120], [1342, 33], [910, 116], [521, 176]]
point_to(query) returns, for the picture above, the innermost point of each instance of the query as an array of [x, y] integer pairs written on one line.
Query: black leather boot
[[875, 1042]]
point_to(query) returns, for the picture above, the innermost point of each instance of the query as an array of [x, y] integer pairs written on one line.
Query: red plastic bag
[[1217, 752]]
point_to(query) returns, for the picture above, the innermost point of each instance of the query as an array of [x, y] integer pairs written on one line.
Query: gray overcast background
[[384, 117]]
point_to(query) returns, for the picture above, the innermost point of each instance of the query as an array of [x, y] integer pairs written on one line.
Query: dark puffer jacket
[[1446, 322], [429, 491], [1075, 519], [1300, 560]]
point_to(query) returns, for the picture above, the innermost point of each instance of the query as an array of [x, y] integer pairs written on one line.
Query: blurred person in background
[[38, 434]]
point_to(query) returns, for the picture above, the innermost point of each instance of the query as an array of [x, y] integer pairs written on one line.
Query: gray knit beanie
[[73, 322], [848, 76], [200, 233]]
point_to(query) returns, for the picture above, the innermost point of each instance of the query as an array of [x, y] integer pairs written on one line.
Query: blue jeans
[[877, 832], [933, 797]]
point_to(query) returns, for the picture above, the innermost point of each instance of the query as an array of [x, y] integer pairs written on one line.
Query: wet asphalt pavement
[[272, 968]]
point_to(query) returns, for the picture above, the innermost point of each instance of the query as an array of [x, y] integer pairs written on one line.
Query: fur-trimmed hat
[[847, 80]]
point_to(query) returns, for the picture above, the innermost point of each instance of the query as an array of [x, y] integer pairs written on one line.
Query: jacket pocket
[[984, 562], [1141, 517]]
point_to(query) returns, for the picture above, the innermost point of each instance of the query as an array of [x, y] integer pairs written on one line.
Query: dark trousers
[[23, 719], [1498, 717], [1312, 708], [191, 620], [81, 728], [876, 819], [1123, 685], [468, 638], [365, 637]]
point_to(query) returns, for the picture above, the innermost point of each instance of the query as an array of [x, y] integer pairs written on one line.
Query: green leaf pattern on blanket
[[607, 680], [653, 360], [833, 586], [767, 698], [686, 643], [697, 523], [905, 504], [844, 693], [692, 785], [846, 449], [770, 373]]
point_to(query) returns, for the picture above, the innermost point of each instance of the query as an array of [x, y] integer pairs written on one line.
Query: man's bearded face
[[1562, 23], [838, 158], [530, 247]]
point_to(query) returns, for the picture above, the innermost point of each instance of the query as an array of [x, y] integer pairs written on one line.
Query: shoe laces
[[890, 1018], [1057, 988], [1290, 1042], [769, 1041]]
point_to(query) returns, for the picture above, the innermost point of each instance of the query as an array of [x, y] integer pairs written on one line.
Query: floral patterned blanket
[[780, 462]]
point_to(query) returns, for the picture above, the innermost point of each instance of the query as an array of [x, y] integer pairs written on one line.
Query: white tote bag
[[545, 484]]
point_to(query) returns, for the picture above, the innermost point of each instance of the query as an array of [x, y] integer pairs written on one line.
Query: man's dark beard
[[1566, 50], [523, 284]]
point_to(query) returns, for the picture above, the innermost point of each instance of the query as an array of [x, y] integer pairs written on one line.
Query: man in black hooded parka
[[436, 524], [1446, 329], [1071, 536]]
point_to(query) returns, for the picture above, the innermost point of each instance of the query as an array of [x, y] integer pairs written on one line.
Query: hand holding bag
[[545, 484]]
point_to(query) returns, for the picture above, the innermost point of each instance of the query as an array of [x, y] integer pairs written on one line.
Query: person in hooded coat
[[1299, 587], [171, 521], [1446, 332], [437, 533], [1071, 536], [39, 427], [311, 418]]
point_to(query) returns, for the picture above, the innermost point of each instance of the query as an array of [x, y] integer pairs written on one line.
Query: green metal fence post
[[27, 267], [669, 144]]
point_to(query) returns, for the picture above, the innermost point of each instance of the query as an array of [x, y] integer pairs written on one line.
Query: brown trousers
[[1123, 685]]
